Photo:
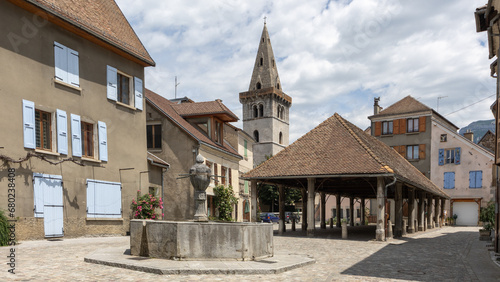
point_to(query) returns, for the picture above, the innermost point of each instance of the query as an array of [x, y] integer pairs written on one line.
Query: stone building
[[265, 105], [72, 117], [430, 142]]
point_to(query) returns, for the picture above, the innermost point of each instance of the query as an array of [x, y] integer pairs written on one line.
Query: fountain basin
[[186, 240]]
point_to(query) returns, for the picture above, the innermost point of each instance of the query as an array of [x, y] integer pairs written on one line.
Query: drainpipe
[[162, 195], [385, 203]]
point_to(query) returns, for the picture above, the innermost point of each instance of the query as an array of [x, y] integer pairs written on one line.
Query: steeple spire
[[265, 72]]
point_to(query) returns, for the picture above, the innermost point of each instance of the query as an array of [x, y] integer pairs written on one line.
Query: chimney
[[469, 135], [376, 107]]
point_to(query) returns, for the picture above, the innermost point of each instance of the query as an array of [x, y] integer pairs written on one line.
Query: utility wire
[[470, 105]]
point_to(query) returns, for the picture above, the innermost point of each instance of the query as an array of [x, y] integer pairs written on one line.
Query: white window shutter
[[76, 135], [91, 198], [103, 141], [62, 132], [73, 71], [112, 77], [29, 124], [138, 93], [38, 194], [104, 199], [61, 62]]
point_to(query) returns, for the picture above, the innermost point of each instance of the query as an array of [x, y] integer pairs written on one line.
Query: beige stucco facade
[[28, 73]]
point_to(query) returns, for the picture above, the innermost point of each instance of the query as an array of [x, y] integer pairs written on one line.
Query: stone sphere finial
[[200, 159]]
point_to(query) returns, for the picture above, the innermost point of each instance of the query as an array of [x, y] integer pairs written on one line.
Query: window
[[281, 138], [412, 125], [449, 156], [256, 135], [224, 175], [123, 89], [476, 179], [216, 173], [261, 110], [218, 132], [245, 150], [449, 180], [412, 152], [66, 65], [255, 111], [153, 132], [87, 140], [104, 199], [261, 61], [386, 127], [444, 137], [259, 86], [358, 213], [43, 130], [246, 186], [120, 88], [229, 177]]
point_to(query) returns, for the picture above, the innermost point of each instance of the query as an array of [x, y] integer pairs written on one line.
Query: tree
[[224, 201]]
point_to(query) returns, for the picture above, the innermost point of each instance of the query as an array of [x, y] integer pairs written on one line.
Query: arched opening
[[255, 111], [273, 63], [261, 110], [261, 61], [279, 112], [278, 86], [281, 138], [256, 135], [259, 85]]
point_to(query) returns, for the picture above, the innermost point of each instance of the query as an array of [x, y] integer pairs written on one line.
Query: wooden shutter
[[421, 151], [421, 124], [112, 80], [61, 62], [402, 126], [138, 93], [73, 71], [103, 141], [216, 174], [402, 151], [103, 199], [62, 132], [38, 194], [29, 124], [378, 128], [441, 157], [479, 179], [395, 126], [53, 206], [472, 179], [76, 135], [457, 155]]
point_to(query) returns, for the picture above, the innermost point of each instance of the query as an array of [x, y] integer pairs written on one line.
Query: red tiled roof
[[205, 108], [167, 108], [103, 19], [337, 147], [404, 106]]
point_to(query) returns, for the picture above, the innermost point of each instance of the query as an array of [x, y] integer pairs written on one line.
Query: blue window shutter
[[457, 155], [112, 79], [138, 93], [61, 62], [103, 141], [441, 156], [38, 194], [103, 199], [90, 198], [62, 132], [472, 179], [29, 124], [452, 175], [76, 135], [479, 179], [73, 71]]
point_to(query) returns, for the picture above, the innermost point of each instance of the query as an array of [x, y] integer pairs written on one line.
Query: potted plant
[[455, 216], [487, 216]]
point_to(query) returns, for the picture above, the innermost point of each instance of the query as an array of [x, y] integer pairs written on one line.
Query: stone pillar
[[337, 198], [363, 211], [380, 231], [429, 211], [323, 210], [421, 212], [436, 211], [253, 201], [310, 206], [282, 227], [398, 199], [351, 208], [411, 210], [443, 202], [304, 209]]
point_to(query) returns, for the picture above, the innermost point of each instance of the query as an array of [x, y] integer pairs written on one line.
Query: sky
[[332, 56]]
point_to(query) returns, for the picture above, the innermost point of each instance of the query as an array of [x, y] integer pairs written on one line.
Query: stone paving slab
[[120, 257]]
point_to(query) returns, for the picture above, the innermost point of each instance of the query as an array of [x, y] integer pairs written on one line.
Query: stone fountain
[[199, 239]]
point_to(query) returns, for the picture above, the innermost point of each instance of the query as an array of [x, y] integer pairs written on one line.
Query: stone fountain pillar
[[199, 174]]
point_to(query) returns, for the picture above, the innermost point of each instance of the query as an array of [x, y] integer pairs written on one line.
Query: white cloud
[[333, 59]]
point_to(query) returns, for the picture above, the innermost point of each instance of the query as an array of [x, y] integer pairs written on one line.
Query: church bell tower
[[265, 106]]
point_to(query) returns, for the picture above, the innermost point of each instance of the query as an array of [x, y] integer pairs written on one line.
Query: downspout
[[385, 204], [163, 195]]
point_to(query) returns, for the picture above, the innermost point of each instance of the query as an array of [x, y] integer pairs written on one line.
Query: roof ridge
[[356, 137]]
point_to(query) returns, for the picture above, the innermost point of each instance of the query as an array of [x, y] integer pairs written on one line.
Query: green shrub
[[487, 214], [145, 207], [224, 201], [4, 229]]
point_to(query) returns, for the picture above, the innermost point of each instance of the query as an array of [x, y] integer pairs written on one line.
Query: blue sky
[[334, 56]]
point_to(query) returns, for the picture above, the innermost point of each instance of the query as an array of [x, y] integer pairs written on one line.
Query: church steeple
[[265, 72]]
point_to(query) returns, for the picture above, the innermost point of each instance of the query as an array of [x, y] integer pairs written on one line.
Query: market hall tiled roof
[[336, 147], [167, 108], [206, 108], [102, 19]]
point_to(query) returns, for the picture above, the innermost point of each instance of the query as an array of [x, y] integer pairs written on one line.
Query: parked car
[[289, 216], [268, 217]]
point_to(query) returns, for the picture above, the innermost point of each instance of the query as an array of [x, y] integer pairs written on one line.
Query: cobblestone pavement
[[437, 255]]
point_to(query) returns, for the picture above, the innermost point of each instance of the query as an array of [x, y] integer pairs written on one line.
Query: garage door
[[467, 213]]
